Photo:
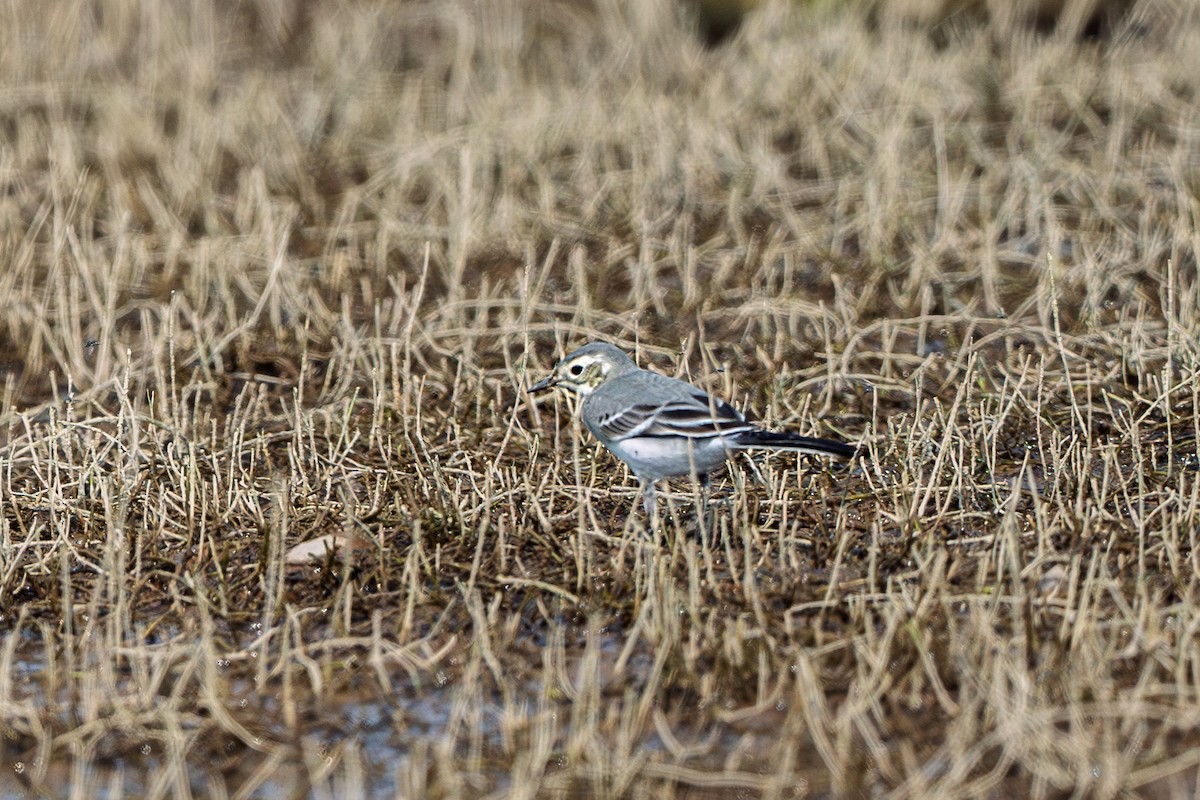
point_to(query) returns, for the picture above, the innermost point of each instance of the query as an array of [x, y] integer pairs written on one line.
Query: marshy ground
[[272, 272]]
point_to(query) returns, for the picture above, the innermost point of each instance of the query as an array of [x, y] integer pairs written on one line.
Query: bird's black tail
[[791, 441]]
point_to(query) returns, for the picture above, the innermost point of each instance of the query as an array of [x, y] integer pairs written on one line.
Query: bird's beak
[[545, 383]]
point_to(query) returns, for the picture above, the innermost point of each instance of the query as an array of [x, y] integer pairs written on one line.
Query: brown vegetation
[[278, 271]]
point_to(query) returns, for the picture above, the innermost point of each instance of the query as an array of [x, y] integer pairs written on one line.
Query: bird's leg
[[703, 488], [649, 500], [703, 494]]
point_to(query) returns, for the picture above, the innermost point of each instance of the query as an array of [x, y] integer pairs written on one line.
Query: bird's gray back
[[639, 388]]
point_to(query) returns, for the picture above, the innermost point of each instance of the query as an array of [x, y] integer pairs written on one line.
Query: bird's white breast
[[655, 458]]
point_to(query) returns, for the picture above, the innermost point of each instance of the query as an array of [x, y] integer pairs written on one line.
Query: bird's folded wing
[[698, 416]]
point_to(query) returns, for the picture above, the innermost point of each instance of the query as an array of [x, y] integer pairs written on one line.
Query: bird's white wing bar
[[673, 418], [629, 421]]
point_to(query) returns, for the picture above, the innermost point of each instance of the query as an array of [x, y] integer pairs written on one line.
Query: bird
[[663, 427]]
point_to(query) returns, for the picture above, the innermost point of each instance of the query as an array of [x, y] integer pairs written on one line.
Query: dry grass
[[274, 271]]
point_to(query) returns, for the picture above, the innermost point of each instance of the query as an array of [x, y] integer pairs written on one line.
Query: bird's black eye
[[576, 370]]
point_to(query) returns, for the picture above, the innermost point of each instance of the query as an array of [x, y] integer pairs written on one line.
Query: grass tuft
[[279, 274]]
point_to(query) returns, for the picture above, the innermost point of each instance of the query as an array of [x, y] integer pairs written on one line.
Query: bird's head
[[586, 369]]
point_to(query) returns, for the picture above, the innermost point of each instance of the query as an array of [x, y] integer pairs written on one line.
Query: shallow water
[[359, 739]]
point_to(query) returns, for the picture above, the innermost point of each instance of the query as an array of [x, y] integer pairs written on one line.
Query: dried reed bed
[[278, 271]]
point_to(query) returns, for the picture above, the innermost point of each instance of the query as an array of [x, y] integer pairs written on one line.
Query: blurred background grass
[[277, 271]]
